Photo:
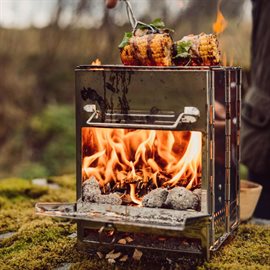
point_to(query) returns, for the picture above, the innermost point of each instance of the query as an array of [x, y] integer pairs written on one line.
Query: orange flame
[[133, 194], [220, 24], [139, 161], [231, 59], [97, 62]]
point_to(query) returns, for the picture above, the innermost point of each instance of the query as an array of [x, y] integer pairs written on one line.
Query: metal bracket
[[189, 116], [91, 108]]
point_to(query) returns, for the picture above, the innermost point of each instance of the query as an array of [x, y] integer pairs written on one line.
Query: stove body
[[174, 99]]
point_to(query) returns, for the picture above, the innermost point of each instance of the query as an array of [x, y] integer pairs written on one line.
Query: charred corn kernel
[[148, 50], [209, 53], [203, 50]]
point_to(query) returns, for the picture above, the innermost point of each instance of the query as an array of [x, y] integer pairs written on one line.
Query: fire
[[220, 24], [138, 161], [133, 194], [231, 59], [228, 60], [97, 62]]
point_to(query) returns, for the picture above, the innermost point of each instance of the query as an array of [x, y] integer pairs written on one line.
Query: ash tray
[[249, 195]]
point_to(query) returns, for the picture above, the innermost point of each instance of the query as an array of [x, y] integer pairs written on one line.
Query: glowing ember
[[134, 162], [220, 25]]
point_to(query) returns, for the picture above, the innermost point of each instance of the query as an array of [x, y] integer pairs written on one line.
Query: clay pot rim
[[248, 185]]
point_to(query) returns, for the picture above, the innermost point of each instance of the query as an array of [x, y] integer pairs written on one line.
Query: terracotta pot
[[249, 195]]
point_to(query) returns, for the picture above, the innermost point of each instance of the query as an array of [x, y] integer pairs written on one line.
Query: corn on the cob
[[203, 50], [154, 49]]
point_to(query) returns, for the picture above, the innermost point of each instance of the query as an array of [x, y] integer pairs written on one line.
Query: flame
[[138, 161], [220, 24], [133, 194], [189, 163], [231, 59], [97, 62]]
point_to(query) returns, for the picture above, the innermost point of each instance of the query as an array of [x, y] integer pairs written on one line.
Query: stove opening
[[149, 168]]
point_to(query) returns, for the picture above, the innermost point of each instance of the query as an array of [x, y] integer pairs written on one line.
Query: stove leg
[[205, 240]]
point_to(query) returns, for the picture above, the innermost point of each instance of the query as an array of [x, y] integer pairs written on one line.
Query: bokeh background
[[41, 43]]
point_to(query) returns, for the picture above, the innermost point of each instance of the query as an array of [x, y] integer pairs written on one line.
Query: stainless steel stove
[[140, 129]]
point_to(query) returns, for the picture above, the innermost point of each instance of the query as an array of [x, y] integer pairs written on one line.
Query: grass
[[43, 243]]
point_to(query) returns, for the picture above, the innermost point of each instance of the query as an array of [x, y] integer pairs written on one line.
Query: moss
[[40, 244], [11, 219], [36, 232], [250, 248], [43, 243], [56, 196], [65, 181], [87, 264], [15, 189], [18, 198]]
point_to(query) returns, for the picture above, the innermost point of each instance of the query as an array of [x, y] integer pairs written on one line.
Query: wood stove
[[155, 131]]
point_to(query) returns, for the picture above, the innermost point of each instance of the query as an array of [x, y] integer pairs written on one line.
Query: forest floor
[[28, 241]]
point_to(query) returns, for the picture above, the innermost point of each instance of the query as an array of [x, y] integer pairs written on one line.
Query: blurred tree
[[57, 13], [82, 6]]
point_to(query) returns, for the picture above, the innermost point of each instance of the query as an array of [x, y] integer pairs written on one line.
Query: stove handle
[[189, 116]]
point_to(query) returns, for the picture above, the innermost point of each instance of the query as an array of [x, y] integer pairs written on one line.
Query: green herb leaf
[[158, 23], [142, 26], [183, 48], [125, 40]]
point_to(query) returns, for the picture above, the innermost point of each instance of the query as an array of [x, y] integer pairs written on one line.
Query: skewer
[[132, 19]]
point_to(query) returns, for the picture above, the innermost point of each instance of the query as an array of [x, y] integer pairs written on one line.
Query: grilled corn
[[144, 49], [200, 49]]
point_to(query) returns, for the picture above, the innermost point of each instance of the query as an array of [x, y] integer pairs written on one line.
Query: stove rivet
[[219, 199], [220, 187], [233, 84]]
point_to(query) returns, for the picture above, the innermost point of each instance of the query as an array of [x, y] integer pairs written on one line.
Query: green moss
[[18, 198], [43, 243], [65, 181], [250, 248], [56, 196], [87, 264], [11, 219], [16, 189], [38, 244]]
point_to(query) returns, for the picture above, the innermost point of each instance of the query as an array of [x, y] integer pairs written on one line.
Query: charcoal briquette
[[180, 198], [155, 198]]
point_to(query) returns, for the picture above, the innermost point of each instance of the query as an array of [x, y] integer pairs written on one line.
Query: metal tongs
[[132, 19]]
